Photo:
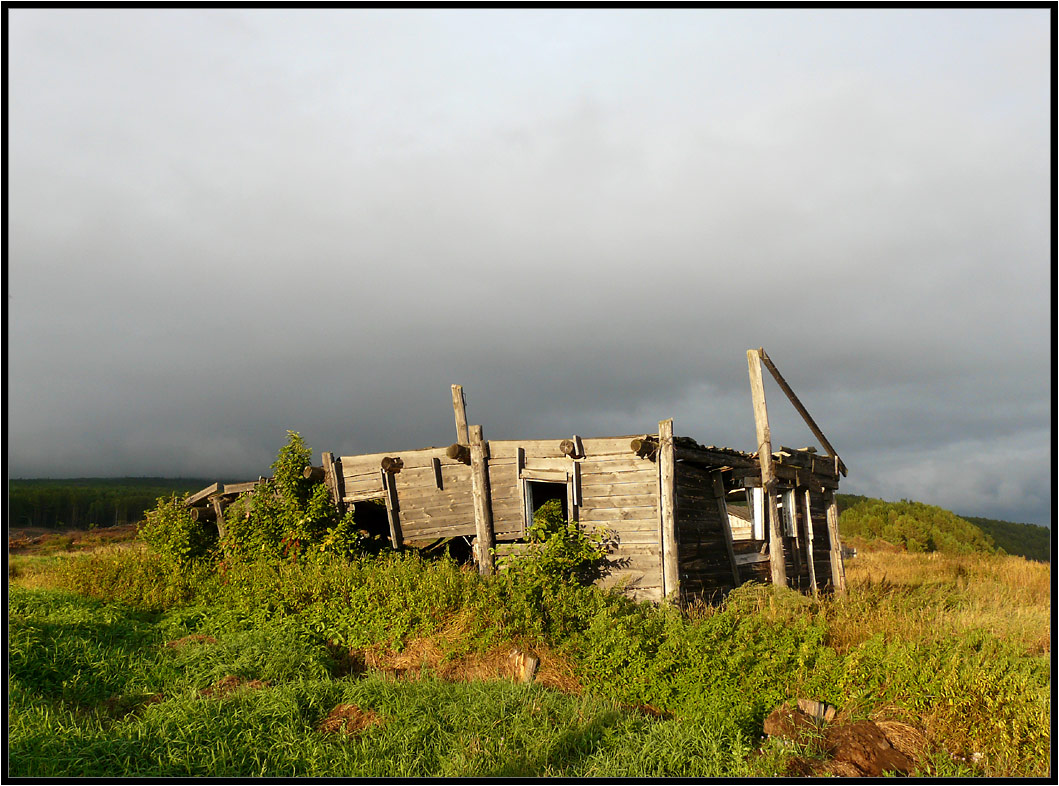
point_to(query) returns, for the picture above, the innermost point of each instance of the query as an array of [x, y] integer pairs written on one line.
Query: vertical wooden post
[[331, 479], [838, 570], [667, 492], [768, 478], [393, 509], [459, 407], [483, 513], [218, 509], [722, 508], [808, 519]]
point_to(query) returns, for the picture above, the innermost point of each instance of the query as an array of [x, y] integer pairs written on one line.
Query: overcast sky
[[224, 224]]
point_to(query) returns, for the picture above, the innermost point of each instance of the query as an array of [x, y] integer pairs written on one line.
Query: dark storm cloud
[[227, 224]]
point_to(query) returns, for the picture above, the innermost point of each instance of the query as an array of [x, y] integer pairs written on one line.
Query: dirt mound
[[229, 685], [439, 655], [863, 748], [347, 719]]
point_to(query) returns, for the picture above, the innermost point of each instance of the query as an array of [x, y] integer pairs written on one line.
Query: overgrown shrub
[[168, 530]]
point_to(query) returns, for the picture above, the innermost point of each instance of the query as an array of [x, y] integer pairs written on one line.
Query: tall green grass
[[717, 671]]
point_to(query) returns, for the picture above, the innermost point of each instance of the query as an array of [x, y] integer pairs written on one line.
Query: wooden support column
[[768, 477], [668, 508], [393, 509], [483, 512], [331, 480], [807, 517], [459, 407], [218, 509], [722, 508], [838, 570]]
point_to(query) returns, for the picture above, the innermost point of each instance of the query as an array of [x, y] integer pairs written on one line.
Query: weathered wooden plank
[[807, 524], [596, 490], [362, 484], [838, 571], [483, 515], [768, 478], [801, 409], [417, 531], [620, 501], [591, 466], [363, 496], [459, 408], [198, 496], [667, 510], [545, 475], [392, 509], [618, 514]]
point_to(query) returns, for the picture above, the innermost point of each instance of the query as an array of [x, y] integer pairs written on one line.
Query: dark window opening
[[538, 492], [370, 515]]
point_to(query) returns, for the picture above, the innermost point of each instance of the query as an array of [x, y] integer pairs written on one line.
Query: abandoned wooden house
[[682, 520]]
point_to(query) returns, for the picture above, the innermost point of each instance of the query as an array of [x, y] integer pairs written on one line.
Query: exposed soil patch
[[194, 638], [28, 540], [229, 685], [347, 719], [424, 655]]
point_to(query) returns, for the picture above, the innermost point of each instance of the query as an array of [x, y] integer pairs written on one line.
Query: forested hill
[[80, 503], [920, 527], [1026, 540]]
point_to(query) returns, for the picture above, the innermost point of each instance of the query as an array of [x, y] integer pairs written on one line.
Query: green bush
[[288, 515], [169, 531]]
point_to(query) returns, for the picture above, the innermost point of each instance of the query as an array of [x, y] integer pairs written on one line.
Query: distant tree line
[[1026, 540], [81, 503]]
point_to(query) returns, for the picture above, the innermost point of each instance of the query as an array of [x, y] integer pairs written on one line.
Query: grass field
[[120, 666]]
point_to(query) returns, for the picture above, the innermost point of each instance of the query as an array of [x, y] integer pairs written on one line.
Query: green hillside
[[916, 526], [1024, 540]]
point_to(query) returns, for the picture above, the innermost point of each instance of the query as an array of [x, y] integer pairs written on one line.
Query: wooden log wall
[[818, 502], [618, 493], [705, 557]]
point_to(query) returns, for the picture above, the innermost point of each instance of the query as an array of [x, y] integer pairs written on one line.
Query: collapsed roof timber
[[683, 520]]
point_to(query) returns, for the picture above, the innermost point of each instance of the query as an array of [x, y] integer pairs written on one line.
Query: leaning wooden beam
[[198, 496], [768, 478], [331, 480], [667, 490], [218, 509], [315, 474], [459, 407], [801, 409], [838, 570], [393, 509], [483, 514], [722, 509]]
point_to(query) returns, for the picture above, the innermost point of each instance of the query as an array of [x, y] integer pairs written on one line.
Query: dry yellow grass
[[933, 596]]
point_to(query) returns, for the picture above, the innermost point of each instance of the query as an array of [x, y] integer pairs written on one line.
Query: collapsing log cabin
[[681, 520]]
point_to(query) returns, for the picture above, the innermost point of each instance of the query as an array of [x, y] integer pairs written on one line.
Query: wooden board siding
[[703, 557], [821, 540], [619, 495]]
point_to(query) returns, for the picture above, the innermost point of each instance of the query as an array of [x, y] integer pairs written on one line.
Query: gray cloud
[[224, 224]]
